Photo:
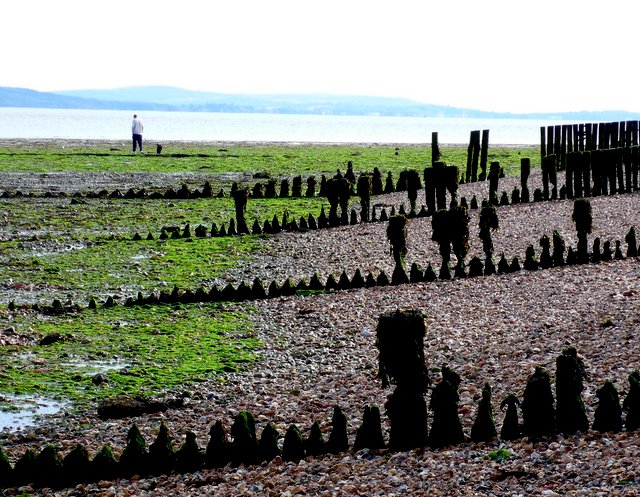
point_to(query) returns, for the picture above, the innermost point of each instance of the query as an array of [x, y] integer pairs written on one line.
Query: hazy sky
[[503, 55]]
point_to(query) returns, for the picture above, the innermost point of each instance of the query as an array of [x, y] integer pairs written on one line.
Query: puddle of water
[[26, 410], [89, 368]]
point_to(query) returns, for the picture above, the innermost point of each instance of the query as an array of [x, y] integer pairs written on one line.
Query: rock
[[124, 406], [100, 379]]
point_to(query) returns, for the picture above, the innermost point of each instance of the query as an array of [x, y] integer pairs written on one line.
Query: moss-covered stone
[[631, 404], [400, 341], [484, 427], [397, 236], [530, 261], [188, 456], [314, 444], [382, 279], [26, 468], [218, 452], [476, 268], [632, 244], [511, 429], [558, 249], [293, 446], [49, 468], [331, 283], [315, 283], [369, 433], [268, 446], [416, 275], [539, 415], [344, 283], [104, 465], [6, 471], [76, 466], [446, 429], [358, 280], [161, 452], [244, 446], [546, 260], [570, 409], [503, 265], [135, 457], [338, 441], [608, 414]]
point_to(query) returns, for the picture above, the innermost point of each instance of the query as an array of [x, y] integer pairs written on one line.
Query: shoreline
[[97, 142]]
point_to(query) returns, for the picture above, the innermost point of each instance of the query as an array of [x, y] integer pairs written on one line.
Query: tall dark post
[[484, 153], [400, 341], [413, 184], [525, 171], [364, 192], [338, 191], [435, 149], [618, 157], [494, 177], [575, 165], [549, 140], [441, 234], [557, 131], [570, 166], [583, 220], [459, 221], [571, 412], [473, 152], [586, 174], [439, 176], [397, 236], [562, 147], [240, 198], [488, 223], [430, 189], [446, 429], [549, 176], [543, 142]]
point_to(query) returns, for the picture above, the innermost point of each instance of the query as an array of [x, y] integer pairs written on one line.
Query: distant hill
[[165, 98]]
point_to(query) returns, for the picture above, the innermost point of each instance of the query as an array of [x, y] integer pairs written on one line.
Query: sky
[[496, 55]]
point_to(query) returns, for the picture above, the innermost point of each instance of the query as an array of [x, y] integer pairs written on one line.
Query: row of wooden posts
[[400, 341], [561, 139]]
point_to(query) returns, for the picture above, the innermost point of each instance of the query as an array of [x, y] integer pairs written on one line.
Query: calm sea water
[[210, 126]]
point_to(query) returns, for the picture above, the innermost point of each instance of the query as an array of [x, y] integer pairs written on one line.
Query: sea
[[82, 124]]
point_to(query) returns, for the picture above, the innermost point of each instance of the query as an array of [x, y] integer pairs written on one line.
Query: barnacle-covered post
[[488, 223], [338, 194], [430, 189], [441, 234], [240, 198], [397, 236], [377, 187], [525, 171], [413, 185], [451, 178], [400, 342], [364, 192], [494, 178], [538, 412], [439, 178], [584, 223], [484, 427], [446, 429], [549, 175], [459, 222], [570, 409]]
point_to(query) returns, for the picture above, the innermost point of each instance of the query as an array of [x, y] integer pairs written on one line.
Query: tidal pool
[[21, 411]]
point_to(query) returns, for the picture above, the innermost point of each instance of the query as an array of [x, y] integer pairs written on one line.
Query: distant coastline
[[170, 99]]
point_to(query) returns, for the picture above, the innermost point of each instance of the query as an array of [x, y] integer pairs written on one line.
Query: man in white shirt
[[136, 130]]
